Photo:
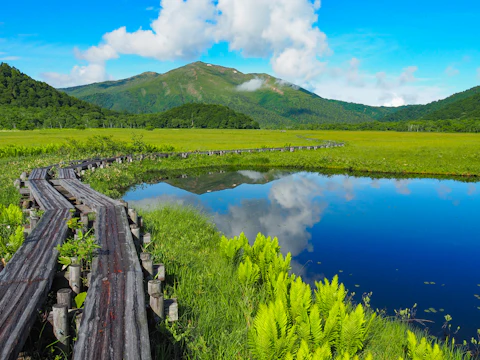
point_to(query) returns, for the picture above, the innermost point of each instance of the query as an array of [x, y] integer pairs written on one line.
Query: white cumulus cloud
[[281, 30], [80, 75]]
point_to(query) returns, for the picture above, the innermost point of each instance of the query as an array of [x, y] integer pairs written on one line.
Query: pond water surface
[[409, 241]]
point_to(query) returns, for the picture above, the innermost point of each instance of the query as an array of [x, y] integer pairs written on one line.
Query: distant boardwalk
[[114, 321]]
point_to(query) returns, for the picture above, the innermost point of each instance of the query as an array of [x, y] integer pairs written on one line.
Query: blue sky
[[371, 51]]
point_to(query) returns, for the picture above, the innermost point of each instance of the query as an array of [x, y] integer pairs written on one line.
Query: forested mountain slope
[[433, 110], [266, 99], [28, 104]]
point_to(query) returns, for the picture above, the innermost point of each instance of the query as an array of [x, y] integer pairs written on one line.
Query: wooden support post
[[33, 221], [154, 287], [64, 297], [157, 305], [171, 309], [78, 320], [75, 281], [132, 213], [159, 272], [146, 238], [23, 176], [147, 263], [60, 326], [84, 221], [135, 232], [17, 183]]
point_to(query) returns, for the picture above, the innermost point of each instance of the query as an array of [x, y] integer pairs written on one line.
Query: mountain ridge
[[274, 101]]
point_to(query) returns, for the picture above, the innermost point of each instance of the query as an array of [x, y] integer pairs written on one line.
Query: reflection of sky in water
[[385, 236]]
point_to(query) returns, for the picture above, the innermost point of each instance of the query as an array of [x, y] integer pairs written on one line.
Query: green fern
[[248, 273], [272, 336], [328, 293], [422, 350]]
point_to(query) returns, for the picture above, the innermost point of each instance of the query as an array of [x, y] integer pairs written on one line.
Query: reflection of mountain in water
[[217, 181]]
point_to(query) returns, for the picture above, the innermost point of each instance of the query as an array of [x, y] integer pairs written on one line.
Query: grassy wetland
[[230, 293]]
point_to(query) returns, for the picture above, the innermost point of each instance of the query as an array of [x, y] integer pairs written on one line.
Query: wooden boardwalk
[[114, 321], [27, 278]]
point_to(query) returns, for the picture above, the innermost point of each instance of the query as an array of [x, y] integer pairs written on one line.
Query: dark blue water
[[383, 236]]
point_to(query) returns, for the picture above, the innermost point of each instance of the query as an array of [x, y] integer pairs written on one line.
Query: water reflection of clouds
[[471, 189], [347, 185], [401, 187], [288, 212], [161, 200], [444, 191], [253, 175]]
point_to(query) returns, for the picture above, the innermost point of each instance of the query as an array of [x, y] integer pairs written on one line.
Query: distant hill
[[200, 116], [28, 104], [268, 100], [449, 108]]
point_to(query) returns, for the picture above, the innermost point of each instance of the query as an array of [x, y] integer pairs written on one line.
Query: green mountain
[[270, 101], [461, 105], [28, 104]]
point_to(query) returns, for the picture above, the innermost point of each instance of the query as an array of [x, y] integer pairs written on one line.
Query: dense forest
[[26, 104], [463, 105], [471, 125]]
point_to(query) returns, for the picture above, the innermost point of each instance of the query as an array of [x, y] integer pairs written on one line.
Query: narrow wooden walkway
[[27, 278], [114, 322]]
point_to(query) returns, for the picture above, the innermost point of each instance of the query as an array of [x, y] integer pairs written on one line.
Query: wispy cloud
[[451, 71], [251, 85], [10, 58]]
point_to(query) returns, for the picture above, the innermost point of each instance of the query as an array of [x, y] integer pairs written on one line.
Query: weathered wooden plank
[[86, 194], [46, 195], [114, 323], [26, 280]]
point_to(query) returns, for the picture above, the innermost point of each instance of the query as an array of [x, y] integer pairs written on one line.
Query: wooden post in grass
[[157, 305], [75, 280], [60, 326], [23, 176], [147, 263], [135, 229], [159, 271], [154, 287], [147, 238], [64, 297], [171, 309], [17, 183], [132, 213]]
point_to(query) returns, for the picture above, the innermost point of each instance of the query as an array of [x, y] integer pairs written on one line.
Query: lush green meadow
[[393, 152], [198, 271]]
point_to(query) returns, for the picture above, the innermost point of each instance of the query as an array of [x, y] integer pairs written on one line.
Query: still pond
[[408, 241]]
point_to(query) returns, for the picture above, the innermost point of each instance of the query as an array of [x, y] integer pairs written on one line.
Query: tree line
[[450, 126]]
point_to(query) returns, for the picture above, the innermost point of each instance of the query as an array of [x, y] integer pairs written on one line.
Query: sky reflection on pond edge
[[406, 240]]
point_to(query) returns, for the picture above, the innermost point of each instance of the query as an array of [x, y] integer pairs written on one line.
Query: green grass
[[211, 325], [386, 152], [215, 308]]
